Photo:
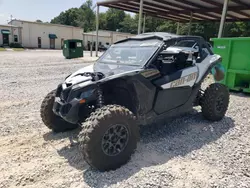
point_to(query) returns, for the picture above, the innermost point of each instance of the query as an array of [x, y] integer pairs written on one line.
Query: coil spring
[[100, 97]]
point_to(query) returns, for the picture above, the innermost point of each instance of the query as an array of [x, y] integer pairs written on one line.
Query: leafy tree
[[129, 24], [40, 21], [114, 19], [86, 17], [78, 17], [152, 23], [237, 29], [69, 17], [168, 26], [102, 21]]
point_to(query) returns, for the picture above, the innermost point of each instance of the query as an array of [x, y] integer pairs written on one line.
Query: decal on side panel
[[187, 78], [184, 80]]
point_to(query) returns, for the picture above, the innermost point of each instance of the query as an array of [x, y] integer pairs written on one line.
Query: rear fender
[[218, 72], [205, 67]]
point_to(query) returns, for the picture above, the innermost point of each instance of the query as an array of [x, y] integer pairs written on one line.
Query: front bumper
[[67, 102], [67, 111]]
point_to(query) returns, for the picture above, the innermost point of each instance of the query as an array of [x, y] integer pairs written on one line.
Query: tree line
[[118, 20]]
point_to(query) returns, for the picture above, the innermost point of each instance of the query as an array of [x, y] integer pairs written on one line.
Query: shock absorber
[[100, 97]]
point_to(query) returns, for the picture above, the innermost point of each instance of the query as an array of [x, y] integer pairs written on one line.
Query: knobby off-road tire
[[215, 102], [96, 136], [51, 120]]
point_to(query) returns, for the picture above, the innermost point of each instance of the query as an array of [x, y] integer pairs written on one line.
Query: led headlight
[[86, 94]]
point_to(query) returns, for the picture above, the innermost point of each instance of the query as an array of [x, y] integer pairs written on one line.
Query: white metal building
[[51, 36], [45, 35]]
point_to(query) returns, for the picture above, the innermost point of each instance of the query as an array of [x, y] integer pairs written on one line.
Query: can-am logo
[[184, 80]]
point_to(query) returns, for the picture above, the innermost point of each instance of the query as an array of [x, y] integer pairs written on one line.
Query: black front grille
[[58, 91], [64, 95], [66, 109]]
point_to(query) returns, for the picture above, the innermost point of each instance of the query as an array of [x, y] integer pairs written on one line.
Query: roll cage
[[168, 40]]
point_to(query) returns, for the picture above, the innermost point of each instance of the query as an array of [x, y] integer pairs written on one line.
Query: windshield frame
[[183, 41], [155, 49]]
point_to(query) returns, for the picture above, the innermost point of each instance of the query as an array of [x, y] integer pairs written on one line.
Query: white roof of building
[[109, 32], [49, 24], [8, 25]]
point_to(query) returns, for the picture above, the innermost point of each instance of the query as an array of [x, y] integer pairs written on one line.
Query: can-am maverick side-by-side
[[137, 81]]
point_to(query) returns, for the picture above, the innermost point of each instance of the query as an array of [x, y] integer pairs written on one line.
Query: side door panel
[[169, 99], [174, 90], [145, 92]]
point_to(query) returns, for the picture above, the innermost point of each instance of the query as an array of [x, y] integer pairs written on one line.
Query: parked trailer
[[236, 61]]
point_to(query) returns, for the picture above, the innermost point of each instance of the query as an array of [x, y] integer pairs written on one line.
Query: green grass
[[14, 49], [18, 49]]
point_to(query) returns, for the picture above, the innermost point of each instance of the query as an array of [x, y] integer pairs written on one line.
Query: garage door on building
[[52, 43]]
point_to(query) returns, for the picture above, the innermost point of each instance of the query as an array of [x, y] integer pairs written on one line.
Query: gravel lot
[[186, 152]]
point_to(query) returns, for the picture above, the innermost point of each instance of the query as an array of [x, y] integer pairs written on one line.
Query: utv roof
[[164, 36], [161, 35]]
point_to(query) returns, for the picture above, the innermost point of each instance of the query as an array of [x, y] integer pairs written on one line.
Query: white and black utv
[[137, 81]]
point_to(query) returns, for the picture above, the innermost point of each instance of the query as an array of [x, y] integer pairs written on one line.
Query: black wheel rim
[[219, 103], [115, 140]]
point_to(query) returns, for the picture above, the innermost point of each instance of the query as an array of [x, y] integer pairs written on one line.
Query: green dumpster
[[236, 61], [72, 48]]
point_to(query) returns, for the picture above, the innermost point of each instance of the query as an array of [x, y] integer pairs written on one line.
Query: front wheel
[[51, 120], [215, 102], [109, 137]]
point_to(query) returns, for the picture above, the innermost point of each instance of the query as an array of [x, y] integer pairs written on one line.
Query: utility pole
[[140, 17], [12, 40], [223, 18], [190, 23], [97, 28], [144, 23], [178, 28]]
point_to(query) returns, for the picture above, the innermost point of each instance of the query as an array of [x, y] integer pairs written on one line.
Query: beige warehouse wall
[[101, 33], [118, 37], [102, 39], [25, 33], [105, 36], [31, 31]]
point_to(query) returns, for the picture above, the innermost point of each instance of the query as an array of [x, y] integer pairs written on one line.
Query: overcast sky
[[32, 10]]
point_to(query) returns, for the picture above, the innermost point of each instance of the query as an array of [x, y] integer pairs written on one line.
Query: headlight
[[86, 94]]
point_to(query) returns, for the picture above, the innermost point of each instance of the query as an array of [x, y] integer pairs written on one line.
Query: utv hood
[[109, 70], [76, 77]]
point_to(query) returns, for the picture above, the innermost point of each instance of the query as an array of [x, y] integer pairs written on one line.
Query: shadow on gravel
[[240, 94], [58, 136], [73, 156], [159, 144], [71, 152]]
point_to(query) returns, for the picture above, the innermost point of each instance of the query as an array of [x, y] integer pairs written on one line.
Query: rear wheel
[[51, 120], [109, 137], [215, 102]]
